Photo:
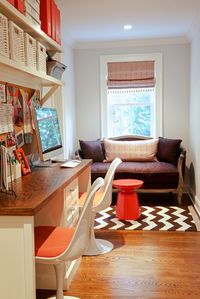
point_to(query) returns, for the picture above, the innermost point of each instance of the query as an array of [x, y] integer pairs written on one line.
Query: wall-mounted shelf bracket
[[49, 94]]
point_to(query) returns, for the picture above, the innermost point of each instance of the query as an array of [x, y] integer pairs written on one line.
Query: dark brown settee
[[163, 175]]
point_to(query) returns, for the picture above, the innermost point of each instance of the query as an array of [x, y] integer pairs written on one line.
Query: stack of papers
[[71, 163]]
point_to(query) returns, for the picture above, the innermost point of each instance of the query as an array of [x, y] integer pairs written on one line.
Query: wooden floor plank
[[142, 265]]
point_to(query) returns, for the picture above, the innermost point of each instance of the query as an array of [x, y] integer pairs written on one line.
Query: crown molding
[[132, 43]]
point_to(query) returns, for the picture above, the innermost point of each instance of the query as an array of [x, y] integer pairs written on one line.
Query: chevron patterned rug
[[154, 218]]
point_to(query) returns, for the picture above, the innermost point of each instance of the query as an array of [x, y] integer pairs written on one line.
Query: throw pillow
[[168, 150], [92, 150], [141, 150]]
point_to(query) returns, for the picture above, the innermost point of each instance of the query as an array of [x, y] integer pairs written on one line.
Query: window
[[131, 95], [131, 111]]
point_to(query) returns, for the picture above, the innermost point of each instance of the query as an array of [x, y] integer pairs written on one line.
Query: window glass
[[131, 111]]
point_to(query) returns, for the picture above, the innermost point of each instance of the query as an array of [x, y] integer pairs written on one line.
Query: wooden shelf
[[41, 78], [21, 20]]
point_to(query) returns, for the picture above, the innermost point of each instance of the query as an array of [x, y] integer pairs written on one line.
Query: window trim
[[157, 57]]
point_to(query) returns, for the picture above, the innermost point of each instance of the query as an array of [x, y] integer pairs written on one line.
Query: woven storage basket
[[35, 23], [32, 12], [35, 5], [41, 58], [30, 51], [4, 39], [16, 36]]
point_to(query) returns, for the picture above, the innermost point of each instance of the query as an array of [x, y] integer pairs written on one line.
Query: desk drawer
[[71, 211], [71, 188], [71, 216], [72, 197]]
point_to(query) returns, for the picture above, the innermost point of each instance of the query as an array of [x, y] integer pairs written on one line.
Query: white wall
[[176, 68], [193, 155], [64, 101], [64, 97]]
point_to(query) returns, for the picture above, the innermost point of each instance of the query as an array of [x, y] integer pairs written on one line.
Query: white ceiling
[[103, 20]]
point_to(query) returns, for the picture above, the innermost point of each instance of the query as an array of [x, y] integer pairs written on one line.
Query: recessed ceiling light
[[128, 27]]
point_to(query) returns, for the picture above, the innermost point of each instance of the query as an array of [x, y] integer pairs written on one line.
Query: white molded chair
[[56, 245], [102, 200]]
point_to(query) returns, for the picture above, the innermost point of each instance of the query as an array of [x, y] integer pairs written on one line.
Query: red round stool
[[127, 207]]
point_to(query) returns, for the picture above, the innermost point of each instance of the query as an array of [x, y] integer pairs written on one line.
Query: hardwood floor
[[142, 265]]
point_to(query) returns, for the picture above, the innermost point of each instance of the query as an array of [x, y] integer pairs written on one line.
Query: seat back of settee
[[129, 138]]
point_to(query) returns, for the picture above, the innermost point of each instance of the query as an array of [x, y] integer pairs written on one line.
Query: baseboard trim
[[195, 200]]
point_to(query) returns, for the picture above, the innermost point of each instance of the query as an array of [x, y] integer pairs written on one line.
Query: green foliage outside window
[[130, 111]]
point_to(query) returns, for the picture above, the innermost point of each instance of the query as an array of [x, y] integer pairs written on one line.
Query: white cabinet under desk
[[47, 196]]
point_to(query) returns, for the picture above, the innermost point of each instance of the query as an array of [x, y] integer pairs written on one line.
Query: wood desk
[[44, 197]]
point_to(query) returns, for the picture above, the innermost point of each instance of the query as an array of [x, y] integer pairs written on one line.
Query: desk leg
[[17, 275], [84, 180]]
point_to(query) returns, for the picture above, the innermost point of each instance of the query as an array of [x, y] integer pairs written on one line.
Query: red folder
[[19, 4], [45, 16], [12, 2], [58, 37], [53, 19]]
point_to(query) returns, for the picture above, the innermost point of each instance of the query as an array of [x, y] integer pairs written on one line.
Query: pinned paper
[[2, 93], [6, 121], [15, 97]]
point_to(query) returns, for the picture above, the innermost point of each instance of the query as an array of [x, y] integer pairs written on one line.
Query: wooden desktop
[[46, 196]]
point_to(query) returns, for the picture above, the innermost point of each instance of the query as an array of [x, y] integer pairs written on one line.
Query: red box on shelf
[[53, 19], [19, 4], [12, 2], [45, 16], [58, 37]]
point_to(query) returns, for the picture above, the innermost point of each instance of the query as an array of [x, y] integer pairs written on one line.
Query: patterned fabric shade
[[131, 74]]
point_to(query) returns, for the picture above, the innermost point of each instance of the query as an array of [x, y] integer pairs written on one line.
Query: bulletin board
[[16, 102]]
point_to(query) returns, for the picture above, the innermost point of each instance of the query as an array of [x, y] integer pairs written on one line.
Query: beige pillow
[[142, 150]]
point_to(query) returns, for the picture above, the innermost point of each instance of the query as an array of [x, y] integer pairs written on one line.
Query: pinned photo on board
[[11, 138], [20, 139]]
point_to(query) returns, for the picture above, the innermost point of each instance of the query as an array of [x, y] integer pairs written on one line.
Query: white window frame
[[157, 58]]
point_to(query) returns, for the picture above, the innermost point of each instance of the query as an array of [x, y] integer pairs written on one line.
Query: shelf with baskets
[[22, 55], [22, 21], [42, 79]]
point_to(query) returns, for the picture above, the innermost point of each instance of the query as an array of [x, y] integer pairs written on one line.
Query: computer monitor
[[48, 133]]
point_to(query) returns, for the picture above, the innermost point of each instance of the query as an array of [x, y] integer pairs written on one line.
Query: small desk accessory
[[20, 156]]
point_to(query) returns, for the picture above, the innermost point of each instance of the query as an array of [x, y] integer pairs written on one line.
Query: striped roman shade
[[131, 74]]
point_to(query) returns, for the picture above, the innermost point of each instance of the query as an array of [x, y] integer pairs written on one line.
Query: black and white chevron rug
[[154, 218]]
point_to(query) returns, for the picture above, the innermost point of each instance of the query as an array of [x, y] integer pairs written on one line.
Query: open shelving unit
[[21, 20], [16, 69], [44, 79]]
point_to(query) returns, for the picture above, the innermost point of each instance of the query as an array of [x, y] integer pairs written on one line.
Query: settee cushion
[[168, 150], [142, 150], [92, 150], [156, 175]]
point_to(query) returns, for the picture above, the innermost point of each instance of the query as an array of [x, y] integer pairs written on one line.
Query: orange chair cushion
[[51, 241], [96, 201]]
